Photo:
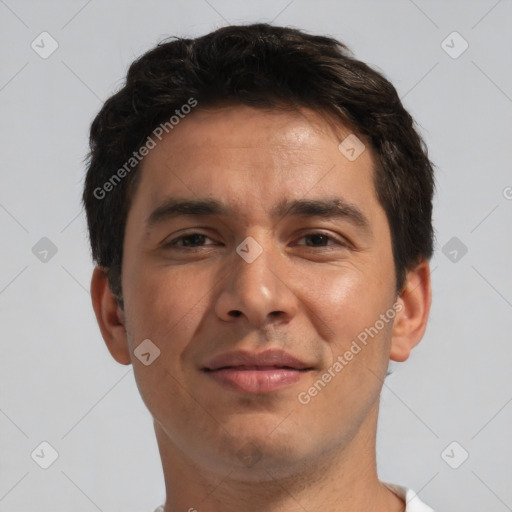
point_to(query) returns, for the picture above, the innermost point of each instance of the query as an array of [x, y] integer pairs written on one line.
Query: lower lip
[[256, 381]]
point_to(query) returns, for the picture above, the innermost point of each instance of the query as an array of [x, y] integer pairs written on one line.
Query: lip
[[270, 358], [262, 372]]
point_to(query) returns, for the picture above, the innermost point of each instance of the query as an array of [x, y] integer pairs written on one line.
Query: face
[[256, 256]]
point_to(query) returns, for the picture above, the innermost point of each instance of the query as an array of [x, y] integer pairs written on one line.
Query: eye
[[318, 239], [191, 240]]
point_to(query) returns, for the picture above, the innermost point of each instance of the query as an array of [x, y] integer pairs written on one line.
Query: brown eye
[[317, 240], [192, 240]]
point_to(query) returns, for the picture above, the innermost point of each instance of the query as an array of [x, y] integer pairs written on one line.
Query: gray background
[[58, 381]]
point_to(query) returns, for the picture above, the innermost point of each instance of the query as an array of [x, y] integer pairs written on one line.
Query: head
[[237, 134]]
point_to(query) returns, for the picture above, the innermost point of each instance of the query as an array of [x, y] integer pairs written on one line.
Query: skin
[[308, 295]]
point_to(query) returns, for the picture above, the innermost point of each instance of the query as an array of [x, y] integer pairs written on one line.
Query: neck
[[343, 479]]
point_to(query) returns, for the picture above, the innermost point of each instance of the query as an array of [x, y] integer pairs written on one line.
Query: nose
[[256, 293]]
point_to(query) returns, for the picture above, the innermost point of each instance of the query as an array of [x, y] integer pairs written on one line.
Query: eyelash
[[174, 243]]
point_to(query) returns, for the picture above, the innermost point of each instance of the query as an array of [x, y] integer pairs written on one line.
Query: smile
[[256, 379]]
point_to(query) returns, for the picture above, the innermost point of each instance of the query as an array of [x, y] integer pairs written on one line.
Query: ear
[[109, 316], [413, 307]]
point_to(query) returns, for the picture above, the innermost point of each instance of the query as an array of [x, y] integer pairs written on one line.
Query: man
[[259, 207]]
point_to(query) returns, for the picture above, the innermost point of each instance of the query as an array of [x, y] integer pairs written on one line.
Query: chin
[[263, 454]]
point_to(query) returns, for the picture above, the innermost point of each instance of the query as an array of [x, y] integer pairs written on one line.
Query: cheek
[[165, 305], [344, 301], [347, 308]]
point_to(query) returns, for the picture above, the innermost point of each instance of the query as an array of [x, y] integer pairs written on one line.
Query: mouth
[[256, 373]]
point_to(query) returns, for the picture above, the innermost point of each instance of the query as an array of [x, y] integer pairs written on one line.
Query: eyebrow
[[174, 207], [329, 208]]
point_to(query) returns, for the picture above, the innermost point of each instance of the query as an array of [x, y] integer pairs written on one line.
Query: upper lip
[[268, 358]]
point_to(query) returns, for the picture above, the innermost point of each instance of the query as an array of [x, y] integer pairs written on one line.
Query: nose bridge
[[253, 288], [251, 279]]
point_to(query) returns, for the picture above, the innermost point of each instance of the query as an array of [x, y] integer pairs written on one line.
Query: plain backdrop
[[446, 413]]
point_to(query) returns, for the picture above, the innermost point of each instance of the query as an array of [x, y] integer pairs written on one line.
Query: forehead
[[241, 128], [251, 156]]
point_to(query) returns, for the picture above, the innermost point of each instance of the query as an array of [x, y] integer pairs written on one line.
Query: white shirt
[[412, 502]]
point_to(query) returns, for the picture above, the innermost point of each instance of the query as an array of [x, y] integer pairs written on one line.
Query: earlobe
[[413, 310], [109, 316]]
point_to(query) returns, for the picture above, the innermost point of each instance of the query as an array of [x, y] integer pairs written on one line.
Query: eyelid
[[340, 240], [335, 238], [176, 237]]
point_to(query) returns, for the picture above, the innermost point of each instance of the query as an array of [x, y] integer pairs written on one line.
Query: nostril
[[235, 313]]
